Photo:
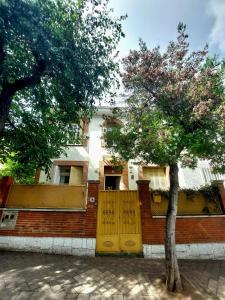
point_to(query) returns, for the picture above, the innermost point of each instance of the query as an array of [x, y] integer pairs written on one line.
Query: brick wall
[[58, 223], [48, 223], [91, 213], [188, 230]]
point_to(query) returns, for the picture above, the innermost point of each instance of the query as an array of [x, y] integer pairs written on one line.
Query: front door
[[118, 225], [112, 182]]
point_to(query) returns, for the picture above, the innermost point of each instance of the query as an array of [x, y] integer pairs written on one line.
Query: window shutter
[[209, 176], [76, 176], [157, 177]]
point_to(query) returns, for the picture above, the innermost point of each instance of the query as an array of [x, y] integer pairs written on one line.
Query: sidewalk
[[42, 276]]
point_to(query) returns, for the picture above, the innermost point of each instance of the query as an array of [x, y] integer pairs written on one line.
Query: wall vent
[[8, 219]]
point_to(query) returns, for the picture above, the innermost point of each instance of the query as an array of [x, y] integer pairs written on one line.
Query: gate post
[[145, 205], [6, 182], [92, 207]]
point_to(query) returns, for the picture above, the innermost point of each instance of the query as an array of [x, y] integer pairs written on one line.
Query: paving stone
[[94, 296], [22, 296], [40, 276], [56, 288], [6, 294], [71, 296], [212, 286], [221, 287], [110, 292], [83, 297], [117, 297]]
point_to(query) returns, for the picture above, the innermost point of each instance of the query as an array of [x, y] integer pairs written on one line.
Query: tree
[[56, 58], [174, 113]]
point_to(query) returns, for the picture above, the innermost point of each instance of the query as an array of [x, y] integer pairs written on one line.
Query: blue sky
[[155, 21]]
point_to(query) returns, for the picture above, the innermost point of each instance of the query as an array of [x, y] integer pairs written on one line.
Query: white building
[[91, 161]]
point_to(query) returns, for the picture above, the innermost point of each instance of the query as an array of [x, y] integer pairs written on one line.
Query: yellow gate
[[118, 226]]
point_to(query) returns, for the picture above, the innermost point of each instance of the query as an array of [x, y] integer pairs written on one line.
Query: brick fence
[[81, 225], [57, 223], [208, 229]]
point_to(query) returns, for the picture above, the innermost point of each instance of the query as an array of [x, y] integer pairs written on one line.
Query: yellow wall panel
[[46, 196], [195, 205]]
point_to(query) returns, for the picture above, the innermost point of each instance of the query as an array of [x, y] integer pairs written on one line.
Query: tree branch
[[2, 53], [11, 124], [34, 79], [149, 90], [10, 89]]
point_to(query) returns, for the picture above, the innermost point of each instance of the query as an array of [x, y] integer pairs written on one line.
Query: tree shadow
[[43, 276]]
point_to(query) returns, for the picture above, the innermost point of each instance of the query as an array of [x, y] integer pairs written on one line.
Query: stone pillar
[[145, 205], [92, 207], [6, 182], [221, 188]]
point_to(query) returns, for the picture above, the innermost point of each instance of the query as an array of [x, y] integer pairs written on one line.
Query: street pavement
[[44, 276]]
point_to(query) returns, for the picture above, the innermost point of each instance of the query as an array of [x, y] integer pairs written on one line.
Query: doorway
[[112, 182]]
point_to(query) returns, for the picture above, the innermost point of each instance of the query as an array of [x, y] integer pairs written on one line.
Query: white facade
[[93, 153]]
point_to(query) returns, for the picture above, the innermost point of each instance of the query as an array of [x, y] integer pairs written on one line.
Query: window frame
[[83, 130], [69, 163]]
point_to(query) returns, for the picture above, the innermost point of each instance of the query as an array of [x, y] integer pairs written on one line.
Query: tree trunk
[[5, 103], [173, 280]]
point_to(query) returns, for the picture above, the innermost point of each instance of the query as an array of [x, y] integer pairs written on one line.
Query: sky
[[155, 21]]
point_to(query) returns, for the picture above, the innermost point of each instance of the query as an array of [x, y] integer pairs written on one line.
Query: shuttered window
[[157, 177], [209, 176]]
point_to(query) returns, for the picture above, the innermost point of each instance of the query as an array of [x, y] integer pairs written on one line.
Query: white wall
[[76, 153], [86, 246], [188, 251], [56, 245], [132, 170], [96, 151]]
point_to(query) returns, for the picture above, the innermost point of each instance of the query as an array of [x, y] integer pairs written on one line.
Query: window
[[64, 175], [157, 177], [76, 133], [72, 175], [108, 126]]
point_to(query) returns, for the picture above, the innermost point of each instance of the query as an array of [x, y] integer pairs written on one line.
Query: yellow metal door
[[118, 226]]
